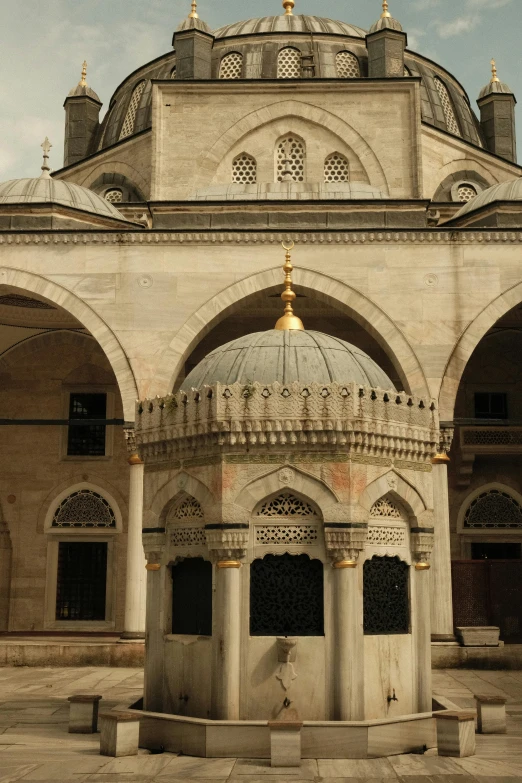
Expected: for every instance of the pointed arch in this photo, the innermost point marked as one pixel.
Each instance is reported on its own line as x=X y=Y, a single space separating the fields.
x=296 y=481
x=396 y=486
x=101 y=332
x=166 y=496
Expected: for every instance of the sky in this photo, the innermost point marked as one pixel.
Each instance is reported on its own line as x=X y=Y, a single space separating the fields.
x=44 y=42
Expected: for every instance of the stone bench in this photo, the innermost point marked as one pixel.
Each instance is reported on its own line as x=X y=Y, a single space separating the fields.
x=119 y=734
x=83 y=713
x=456 y=732
x=285 y=743
x=491 y=714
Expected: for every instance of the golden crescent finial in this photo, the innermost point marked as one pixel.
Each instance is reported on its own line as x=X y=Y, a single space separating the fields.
x=288 y=320
x=494 y=76
x=193 y=12
x=385 y=12
x=288 y=5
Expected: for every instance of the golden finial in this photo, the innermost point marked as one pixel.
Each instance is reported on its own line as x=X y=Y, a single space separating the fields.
x=288 y=6
x=193 y=13
x=385 y=13
x=83 y=81
x=46 y=146
x=494 y=77
x=288 y=320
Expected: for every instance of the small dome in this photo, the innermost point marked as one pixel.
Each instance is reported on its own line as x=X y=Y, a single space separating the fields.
x=386 y=23
x=495 y=87
x=47 y=190
x=83 y=90
x=505 y=191
x=194 y=23
x=287 y=356
x=297 y=23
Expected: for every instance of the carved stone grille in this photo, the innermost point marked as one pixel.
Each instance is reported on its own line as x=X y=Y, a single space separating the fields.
x=84 y=508
x=244 y=169
x=115 y=196
x=493 y=509
x=231 y=66
x=291 y=154
x=447 y=106
x=286 y=505
x=128 y=124
x=286 y=534
x=286 y=596
x=384 y=535
x=385 y=508
x=492 y=437
x=336 y=168
x=17 y=300
x=466 y=193
x=188 y=508
x=347 y=66
x=289 y=63
x=386 y=596
x=188 y=536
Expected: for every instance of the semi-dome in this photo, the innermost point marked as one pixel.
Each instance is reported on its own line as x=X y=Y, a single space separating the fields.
x=42 y=190
x=285 y=356
x=505 y=191
x=298 y=23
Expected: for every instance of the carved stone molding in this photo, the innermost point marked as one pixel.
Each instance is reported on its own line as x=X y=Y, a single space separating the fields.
x=227 y=543
x=422 y=541
x=345 y=543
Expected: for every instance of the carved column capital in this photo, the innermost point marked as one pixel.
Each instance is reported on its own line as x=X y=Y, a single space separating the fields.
x=345 y=540
x=154 y=545
x=227 y=542
x=422 y=541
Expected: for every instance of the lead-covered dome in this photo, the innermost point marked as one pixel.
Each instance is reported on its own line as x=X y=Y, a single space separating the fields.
x=505 y=191
x=286 y=356
x=45 y=190
x=284 y=23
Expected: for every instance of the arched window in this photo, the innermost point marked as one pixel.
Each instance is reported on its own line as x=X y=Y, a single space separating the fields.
x=173 y=73
x=336 y=168
x=466 y=191
x=244 y=169
x=130 y=118
x=231 y=66
x=286 y=596
x=447 y=106
x=187 y=508
x=185 y=523
x=493 y=510
x=347 y=66
x=289 y=63
x=290 y=160
x=84 y=508
x=386 y=604
x=114 y=195
x=192 y=597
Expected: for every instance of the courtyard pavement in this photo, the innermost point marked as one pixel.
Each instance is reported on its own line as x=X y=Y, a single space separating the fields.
x=35 y=745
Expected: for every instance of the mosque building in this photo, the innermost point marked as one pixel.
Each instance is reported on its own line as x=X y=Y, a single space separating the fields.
x=265 y=482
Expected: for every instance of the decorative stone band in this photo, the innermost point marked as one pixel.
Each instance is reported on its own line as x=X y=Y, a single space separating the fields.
x=344 y=541
x=359 y=419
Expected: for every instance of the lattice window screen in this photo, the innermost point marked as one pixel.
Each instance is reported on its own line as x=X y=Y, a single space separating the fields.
x=281 y=534
x=188 y=536
x=336 y=168
x=289 y=63
x=84 y=508
x=286 y=505
x=493 y=509
x=466 y=193
x=244 y=169
x=447 y=106
x=292 y=150
x=385 y=508
x=114 y=195
x=231 y=66
x=130 y=117
x=386 y=604
x=188 y=508
x=347 y=66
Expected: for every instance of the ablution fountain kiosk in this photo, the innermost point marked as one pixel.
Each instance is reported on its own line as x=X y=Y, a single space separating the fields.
x=288 y=528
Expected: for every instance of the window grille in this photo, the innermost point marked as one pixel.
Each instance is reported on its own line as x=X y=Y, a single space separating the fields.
x=466 y=193
x=290 y=160
x=289 y=63
x=286 y=596
x=493 y=510
x=385 y=508
x=84 y=508
x=231 y=66
x=347 y=66
x=187 y=508
x=286 y=505
x=447 y=106
x=130 y=118
x=244 y=169
x=192 y=597
x=188 y=536
x=278 y=535
x=386 y=605
x=18 y=300
x=336 y=168
x=87 y=440
x=81 y=581
x=491 y=405
x=114 y=195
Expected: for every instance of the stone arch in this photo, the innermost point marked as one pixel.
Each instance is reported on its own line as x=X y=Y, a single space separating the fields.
x=467 y=343
x=84 y=481
x=130 y=174
x=348 y=299
x=454 y=170
x=156 y=514
x=101 y=332
x=208 y=164
x=271 y=484
x=470 y=497
x=394 y=485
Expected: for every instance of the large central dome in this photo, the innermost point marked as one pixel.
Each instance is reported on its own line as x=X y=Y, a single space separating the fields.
x=290 y=24
x=287 y=355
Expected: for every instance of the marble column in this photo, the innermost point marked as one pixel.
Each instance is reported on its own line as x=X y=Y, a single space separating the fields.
x=228 y=639
x=349 y=642
x=441 y=598
x=6 y=556
x=422 y=547
x=156 y=619
x=135 y=583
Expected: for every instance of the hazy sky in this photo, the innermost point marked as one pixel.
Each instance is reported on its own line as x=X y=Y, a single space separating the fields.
x=43 y=44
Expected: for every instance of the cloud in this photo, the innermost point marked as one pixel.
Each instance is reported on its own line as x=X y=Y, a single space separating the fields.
x=488 y=5
x=462 y=24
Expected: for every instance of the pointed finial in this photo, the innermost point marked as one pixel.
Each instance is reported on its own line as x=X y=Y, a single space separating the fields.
x=46 y=146
x=494 y=77
x=83 y=80
x=288 y=6
x=288 y=320
x=193 y=12
x=385 y=12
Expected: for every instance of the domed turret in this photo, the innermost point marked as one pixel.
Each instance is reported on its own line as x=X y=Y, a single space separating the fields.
x=193 y=22
x=495 y=86
x=386 y=22
x=497 y=117
x=82 y=88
